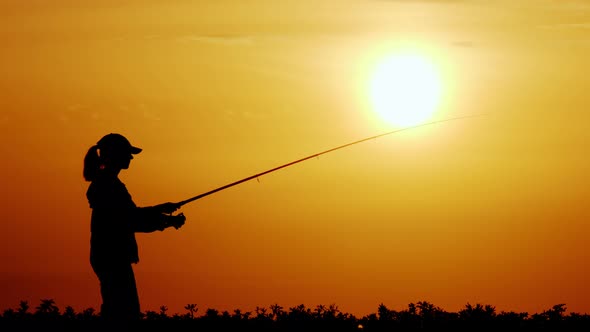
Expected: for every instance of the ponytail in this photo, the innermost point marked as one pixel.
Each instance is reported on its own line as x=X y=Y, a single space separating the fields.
x=91 y=164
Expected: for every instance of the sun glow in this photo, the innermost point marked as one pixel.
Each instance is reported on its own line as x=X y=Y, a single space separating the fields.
x=405 y=89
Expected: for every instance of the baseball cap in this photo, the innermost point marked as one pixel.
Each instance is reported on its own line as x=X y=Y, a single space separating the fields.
x=117 y=142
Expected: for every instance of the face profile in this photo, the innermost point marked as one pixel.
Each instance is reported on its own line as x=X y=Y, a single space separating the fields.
x=116 y=151
x=119 y=160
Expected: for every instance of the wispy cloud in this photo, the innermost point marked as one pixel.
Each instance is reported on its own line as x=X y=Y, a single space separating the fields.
x=569 y=26
x=76 y=107
x=463 y=43
x=95 y=116
x=572 y=5
x=80 y=112
x=140 y=110
x=218 y=39
x=77 y=112
x=72 y=112
x=148 y=113
x=428 y=1
x=242 y=115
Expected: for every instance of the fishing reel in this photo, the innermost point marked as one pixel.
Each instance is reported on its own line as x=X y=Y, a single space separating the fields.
x=176 y=221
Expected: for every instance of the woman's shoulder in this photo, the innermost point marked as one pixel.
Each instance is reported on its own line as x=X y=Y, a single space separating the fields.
x=106 y=189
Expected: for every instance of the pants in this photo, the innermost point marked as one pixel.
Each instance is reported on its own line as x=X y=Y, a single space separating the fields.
x=118 y=290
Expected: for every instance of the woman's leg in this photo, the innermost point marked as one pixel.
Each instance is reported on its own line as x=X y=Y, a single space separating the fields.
x=119 y=292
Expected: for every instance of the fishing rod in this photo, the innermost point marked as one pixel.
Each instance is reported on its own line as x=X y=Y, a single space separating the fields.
x=255 y=176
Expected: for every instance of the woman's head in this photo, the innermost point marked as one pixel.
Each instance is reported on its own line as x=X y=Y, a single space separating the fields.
x=113 y=152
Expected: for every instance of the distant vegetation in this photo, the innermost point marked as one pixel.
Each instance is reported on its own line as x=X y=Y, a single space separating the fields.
x=423 y=315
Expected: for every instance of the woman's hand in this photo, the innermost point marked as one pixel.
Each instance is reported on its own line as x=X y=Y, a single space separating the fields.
x=176 y=221
x=167 y=208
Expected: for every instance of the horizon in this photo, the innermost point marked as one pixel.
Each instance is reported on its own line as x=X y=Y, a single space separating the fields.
x=45 y=306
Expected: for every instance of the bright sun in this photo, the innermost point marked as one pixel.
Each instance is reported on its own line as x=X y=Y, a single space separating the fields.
x=405 y=89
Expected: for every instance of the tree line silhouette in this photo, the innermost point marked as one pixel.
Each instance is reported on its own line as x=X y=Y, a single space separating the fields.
x=417 y=316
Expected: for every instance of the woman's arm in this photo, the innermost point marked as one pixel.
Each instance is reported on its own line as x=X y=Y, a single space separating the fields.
x=150 y=219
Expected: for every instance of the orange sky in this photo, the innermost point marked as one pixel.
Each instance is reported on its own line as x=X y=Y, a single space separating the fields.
x=491 y=210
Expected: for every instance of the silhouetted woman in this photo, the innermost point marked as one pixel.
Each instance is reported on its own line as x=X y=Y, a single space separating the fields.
x=114 y=222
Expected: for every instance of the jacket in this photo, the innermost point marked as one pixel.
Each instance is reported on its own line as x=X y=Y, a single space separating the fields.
x=115 y=220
